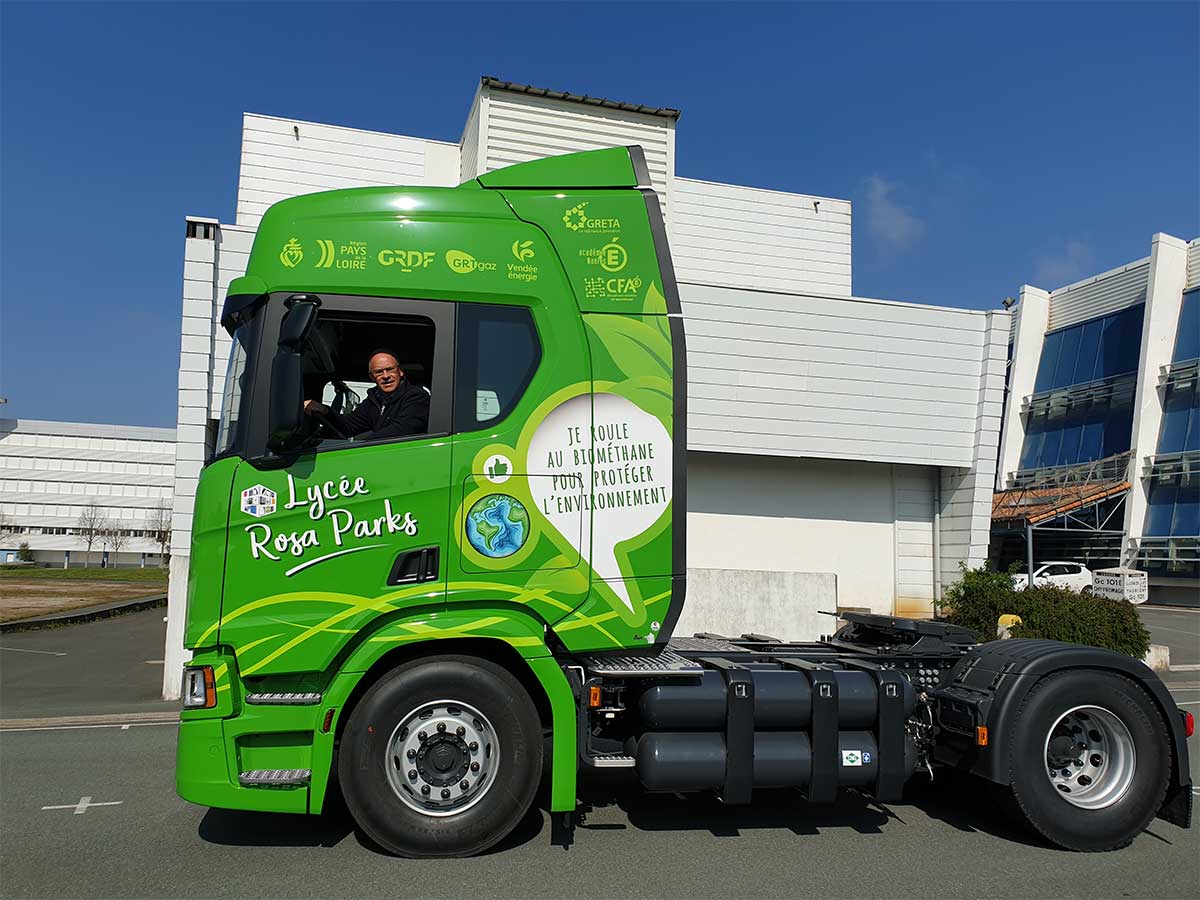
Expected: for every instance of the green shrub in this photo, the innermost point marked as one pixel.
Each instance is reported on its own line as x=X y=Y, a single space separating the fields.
x=24 y=554
x=981 y=596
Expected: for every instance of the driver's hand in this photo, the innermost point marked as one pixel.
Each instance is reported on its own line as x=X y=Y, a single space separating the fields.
x=313 y=407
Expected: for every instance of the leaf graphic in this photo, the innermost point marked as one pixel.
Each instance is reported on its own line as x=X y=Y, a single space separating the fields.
x=635 y=347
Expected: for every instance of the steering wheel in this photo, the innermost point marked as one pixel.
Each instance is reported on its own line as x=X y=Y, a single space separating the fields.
x=326 y=420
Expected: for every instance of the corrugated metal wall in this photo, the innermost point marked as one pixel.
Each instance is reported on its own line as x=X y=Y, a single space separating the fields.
x=748 y=237
x=521 y=127
x=967 y=493
x=1099 y=295
x=468 y=163
x=1193 y=264
x=277 y=164
x=787 y=374
x=912 y=488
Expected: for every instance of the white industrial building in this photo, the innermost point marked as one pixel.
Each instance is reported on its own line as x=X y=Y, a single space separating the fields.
x=55 y=476
x=1100 y=459
x=844 y=446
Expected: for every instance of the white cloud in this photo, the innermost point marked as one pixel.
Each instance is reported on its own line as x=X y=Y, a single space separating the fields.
x=886 y=219
x=1065 y=264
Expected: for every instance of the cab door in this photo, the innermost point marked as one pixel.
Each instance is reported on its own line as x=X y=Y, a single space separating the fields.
x=349 y=530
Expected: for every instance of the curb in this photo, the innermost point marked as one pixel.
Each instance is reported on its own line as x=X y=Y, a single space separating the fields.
x=91 y=613
x=154 y=717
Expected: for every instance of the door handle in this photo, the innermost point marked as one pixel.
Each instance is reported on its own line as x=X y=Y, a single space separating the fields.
x=415 y=566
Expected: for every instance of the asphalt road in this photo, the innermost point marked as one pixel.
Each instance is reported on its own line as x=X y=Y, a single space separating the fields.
x=135 y=838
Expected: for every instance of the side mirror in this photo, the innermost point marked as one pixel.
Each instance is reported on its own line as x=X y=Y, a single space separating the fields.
x=286 y=412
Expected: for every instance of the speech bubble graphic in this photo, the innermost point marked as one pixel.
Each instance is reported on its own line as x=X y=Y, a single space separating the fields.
x=623 y=461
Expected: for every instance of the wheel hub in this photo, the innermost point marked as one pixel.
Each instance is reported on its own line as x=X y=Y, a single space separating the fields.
x=442 y=757
x=1090 y=757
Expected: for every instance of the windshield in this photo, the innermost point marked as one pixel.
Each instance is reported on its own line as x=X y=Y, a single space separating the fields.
x=236 y=384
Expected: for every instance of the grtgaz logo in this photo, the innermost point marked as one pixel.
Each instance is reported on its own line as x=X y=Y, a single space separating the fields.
x=462 y=262
x=292 y=253
x=258 y=501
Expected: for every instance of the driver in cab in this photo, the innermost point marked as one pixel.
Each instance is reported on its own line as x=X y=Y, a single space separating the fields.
x=395 y=407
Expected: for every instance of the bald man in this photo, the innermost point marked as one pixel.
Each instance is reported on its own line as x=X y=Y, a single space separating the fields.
x=395 y=407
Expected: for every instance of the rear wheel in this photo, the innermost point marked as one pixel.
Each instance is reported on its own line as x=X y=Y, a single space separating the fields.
x=441 y=757
x=1089 y=760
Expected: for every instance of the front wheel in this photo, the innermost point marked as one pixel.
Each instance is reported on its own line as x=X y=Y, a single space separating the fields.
x=441 y=757
x=1089 y=761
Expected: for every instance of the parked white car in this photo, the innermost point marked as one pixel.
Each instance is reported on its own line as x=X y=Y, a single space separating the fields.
x=1064 y=574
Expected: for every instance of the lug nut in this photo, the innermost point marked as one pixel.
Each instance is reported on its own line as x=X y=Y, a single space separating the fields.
x=425 y=789
x=460 y=731
x=1095 y=759
x=422 y=736
x=441 y=727
x=412 y=754
x=474 y=746
x=465 y=784
x=445 y=793
x=474 y=767
x=412 y=774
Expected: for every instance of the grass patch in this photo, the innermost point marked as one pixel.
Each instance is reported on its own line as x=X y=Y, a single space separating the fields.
x=151 y=576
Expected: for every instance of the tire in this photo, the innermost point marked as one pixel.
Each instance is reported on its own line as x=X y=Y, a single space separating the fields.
x=1109 y=800
x=492 y=742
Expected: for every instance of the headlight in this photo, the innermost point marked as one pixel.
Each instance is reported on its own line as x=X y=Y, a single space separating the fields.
x=199 y=688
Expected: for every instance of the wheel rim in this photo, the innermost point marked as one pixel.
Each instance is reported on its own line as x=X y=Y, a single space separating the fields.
x=442 y=758
x=1090 y=757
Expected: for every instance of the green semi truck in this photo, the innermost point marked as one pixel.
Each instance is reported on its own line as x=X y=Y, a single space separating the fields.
x=429 y=619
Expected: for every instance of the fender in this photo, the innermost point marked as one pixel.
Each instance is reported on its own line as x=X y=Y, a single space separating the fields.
x=511 y=627
x=989 y=684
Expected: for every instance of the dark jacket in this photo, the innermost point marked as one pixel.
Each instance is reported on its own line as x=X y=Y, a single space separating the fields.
x=403 y=412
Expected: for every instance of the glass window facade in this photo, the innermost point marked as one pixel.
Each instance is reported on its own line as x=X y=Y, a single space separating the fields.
x=1174 y=507
x=1079 y=433
x=1090 y=351
x=1187 y=336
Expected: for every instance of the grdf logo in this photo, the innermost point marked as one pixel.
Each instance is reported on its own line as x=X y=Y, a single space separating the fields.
x=575 y=218
x=522 y=250
x=258 y=501
x=292 y=253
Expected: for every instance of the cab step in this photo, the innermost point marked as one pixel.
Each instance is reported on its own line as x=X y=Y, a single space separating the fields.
x=270 y=778
x=613 y=761
x=284 y=698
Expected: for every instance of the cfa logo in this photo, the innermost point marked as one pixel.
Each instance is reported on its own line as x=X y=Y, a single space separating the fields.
x=462 y=262
x=258 y=501
x=407 y=260
x=292 y=253
x=522 y=250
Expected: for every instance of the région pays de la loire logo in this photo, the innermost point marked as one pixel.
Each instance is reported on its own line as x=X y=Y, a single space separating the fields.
x=292 y=253
x=258 y=501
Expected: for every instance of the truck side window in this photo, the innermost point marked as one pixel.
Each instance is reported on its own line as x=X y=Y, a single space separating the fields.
x=497 y=354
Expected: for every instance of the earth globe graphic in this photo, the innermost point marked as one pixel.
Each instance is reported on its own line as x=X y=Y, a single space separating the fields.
x=497 y=525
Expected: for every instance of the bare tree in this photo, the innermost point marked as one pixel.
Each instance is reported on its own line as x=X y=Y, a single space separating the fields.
x=116 y=538
x=158 y=523
x=7 y=526
x=90 y=526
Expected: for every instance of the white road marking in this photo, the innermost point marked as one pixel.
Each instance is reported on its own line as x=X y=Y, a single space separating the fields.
x=124 y=727
x=42 y=652
x=84 y=804
x=154 y=662
x=1186 y=667
x=1178 y=630
x=1188 y=703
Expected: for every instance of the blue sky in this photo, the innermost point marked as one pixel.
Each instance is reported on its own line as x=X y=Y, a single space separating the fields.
x=983 y=145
